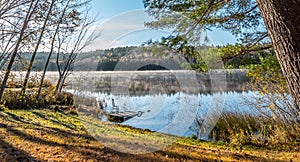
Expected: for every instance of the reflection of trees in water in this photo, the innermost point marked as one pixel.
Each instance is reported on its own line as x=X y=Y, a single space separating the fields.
x=143 y=83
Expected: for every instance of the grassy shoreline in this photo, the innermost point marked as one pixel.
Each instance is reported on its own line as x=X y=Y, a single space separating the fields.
x=45 y=135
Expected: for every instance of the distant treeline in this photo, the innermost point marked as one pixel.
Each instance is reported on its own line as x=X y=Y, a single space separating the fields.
x=107 y=60
x=136 y=65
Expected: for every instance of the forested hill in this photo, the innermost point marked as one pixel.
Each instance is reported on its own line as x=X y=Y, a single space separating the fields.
x=99 y=60
x=127 y=58
x=41 y=58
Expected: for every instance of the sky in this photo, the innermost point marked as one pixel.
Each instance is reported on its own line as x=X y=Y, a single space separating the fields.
x=109 y=8
x=121 y=23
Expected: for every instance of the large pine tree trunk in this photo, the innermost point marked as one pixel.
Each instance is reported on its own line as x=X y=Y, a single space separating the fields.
x=282 y=19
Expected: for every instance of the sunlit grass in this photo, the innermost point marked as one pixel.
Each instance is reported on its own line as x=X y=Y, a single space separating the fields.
x=55 y=136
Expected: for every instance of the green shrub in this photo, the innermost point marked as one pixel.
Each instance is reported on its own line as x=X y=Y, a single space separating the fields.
x=13 y=100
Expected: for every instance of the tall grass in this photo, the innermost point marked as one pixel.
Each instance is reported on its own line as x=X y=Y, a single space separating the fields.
x=248 y=129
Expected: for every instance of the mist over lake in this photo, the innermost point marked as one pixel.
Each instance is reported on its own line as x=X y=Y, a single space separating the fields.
x=162 y=95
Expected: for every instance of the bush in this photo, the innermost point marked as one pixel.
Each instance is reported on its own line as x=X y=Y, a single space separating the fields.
x=240 y=138
x=13 y=100
x=62 y=98
x=47 y=83
x=280 y=122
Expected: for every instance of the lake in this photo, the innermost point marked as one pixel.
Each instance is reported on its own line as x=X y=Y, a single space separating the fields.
x=171 y=101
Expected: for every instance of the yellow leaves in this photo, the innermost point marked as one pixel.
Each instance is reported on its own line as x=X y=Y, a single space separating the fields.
x=267 y=77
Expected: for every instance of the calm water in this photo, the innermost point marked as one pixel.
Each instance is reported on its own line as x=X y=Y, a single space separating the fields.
x=171 y=101
x=164 y=112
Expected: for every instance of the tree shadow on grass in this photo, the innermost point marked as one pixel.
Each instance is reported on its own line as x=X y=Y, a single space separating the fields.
x=54 y=121
x=11 y=153
x=16 y=118
x=97 y=152
x=86 y=151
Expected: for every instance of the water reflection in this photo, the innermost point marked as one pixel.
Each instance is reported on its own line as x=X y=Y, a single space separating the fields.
x=155 y=82
x=163 y=111
x=170 y=101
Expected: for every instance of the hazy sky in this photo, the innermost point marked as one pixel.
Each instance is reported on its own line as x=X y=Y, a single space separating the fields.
x=122 y=23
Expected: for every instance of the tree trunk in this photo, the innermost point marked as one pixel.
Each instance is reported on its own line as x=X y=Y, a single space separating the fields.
x=23 y=91
x=282 y=20
x=52 y=48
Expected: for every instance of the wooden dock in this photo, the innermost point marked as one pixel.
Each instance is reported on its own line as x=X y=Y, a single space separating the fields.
x=120 y=117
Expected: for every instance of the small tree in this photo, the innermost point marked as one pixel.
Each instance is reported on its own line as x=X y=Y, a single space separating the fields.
x=70 y=43
x=28 y=15
x=58 y=24
x=37 y=45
